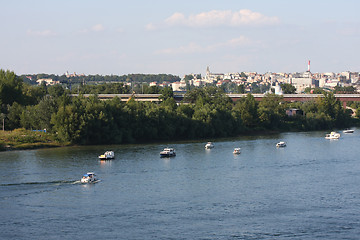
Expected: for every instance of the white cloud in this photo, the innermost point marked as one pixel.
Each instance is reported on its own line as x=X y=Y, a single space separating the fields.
x=176 y=19
x=235 y=42
x=97 y=27
x=219 y=18
x=150 y=27
x=44 y=33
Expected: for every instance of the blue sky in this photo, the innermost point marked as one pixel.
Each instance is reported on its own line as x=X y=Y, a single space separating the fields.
x=179 y=37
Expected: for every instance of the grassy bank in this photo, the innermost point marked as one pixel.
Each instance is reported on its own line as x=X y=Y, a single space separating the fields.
x=27 y=139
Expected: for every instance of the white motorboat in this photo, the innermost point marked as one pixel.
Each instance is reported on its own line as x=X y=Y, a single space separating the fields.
x=209 y=145
x=89 y=177
x=332 y=135
x=107 y=155
x=348 y=131
x=168 y=152
x=281 y=144
x=237 y=151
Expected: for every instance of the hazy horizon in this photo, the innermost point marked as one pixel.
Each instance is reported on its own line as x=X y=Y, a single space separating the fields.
x=178 y=37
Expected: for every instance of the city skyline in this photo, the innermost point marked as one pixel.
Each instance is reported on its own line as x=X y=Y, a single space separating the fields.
x=178 y=37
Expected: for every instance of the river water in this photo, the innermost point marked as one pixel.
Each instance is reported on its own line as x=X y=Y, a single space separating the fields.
x=307 y=190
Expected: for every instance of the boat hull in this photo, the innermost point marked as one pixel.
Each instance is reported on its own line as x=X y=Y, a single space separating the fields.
x=281 y=144
x=331 y=138
x=106 y=158
x=167 y=155
x=168 y=152
x=92 y=181
x=108 y=155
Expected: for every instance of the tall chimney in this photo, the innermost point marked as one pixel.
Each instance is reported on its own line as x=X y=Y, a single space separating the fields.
x=309 y=66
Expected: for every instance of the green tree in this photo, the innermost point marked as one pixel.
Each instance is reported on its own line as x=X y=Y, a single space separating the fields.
x=347 y=90
x=255 y=88
x=69 y=122
x=271 y=111
x=248 y=108
x=33 y=94
x=329 y=104
x=56 y=90
x=241 y=88
x=357 y=115
x=13 y=117
x=287 y=88
x=185 y=110
x=166 y=93
x=10 y=88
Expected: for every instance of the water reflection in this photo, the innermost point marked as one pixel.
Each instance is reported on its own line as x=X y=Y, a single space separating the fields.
x=309 y=186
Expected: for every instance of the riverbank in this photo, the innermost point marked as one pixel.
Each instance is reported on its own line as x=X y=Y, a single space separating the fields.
x=20 y=139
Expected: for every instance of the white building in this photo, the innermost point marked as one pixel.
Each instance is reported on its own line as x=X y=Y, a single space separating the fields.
x=48 y=81
x=354 y=77
x=175 y=86
x=197 y=83
x=303 y=80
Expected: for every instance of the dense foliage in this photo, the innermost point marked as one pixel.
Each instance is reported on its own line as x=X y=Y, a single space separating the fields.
x=205 y=113
x=287 y=88
x=349 y=89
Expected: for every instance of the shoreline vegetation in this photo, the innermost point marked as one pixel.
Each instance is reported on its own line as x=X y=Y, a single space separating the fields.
x=22 y=139
x=205 y=113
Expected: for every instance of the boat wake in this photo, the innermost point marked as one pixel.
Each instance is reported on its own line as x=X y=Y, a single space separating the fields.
x=15 y=190
x=60 y=182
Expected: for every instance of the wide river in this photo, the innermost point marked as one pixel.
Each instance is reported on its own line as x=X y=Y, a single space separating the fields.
x=307 y=190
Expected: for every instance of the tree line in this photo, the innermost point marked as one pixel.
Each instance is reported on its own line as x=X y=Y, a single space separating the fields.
x=147 y=78
x=205 y=113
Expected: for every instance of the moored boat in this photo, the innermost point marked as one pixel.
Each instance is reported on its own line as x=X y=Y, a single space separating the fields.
x=209 y=145
x=168 y=152
x=237 y=151
x=281 y=144
x=107 y=155
x=332 y=135
x=89 y=177
x=348 y=131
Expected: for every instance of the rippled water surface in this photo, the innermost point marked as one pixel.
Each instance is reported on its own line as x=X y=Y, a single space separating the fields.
x=308 y=190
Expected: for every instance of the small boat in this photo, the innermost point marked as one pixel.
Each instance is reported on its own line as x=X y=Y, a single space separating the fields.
x=348 y=131
x=281 y=144
x=107 y=155
x=332 y=135
x=89 y=177
x=209 y=145
x=237 y=151
x=168 y=152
